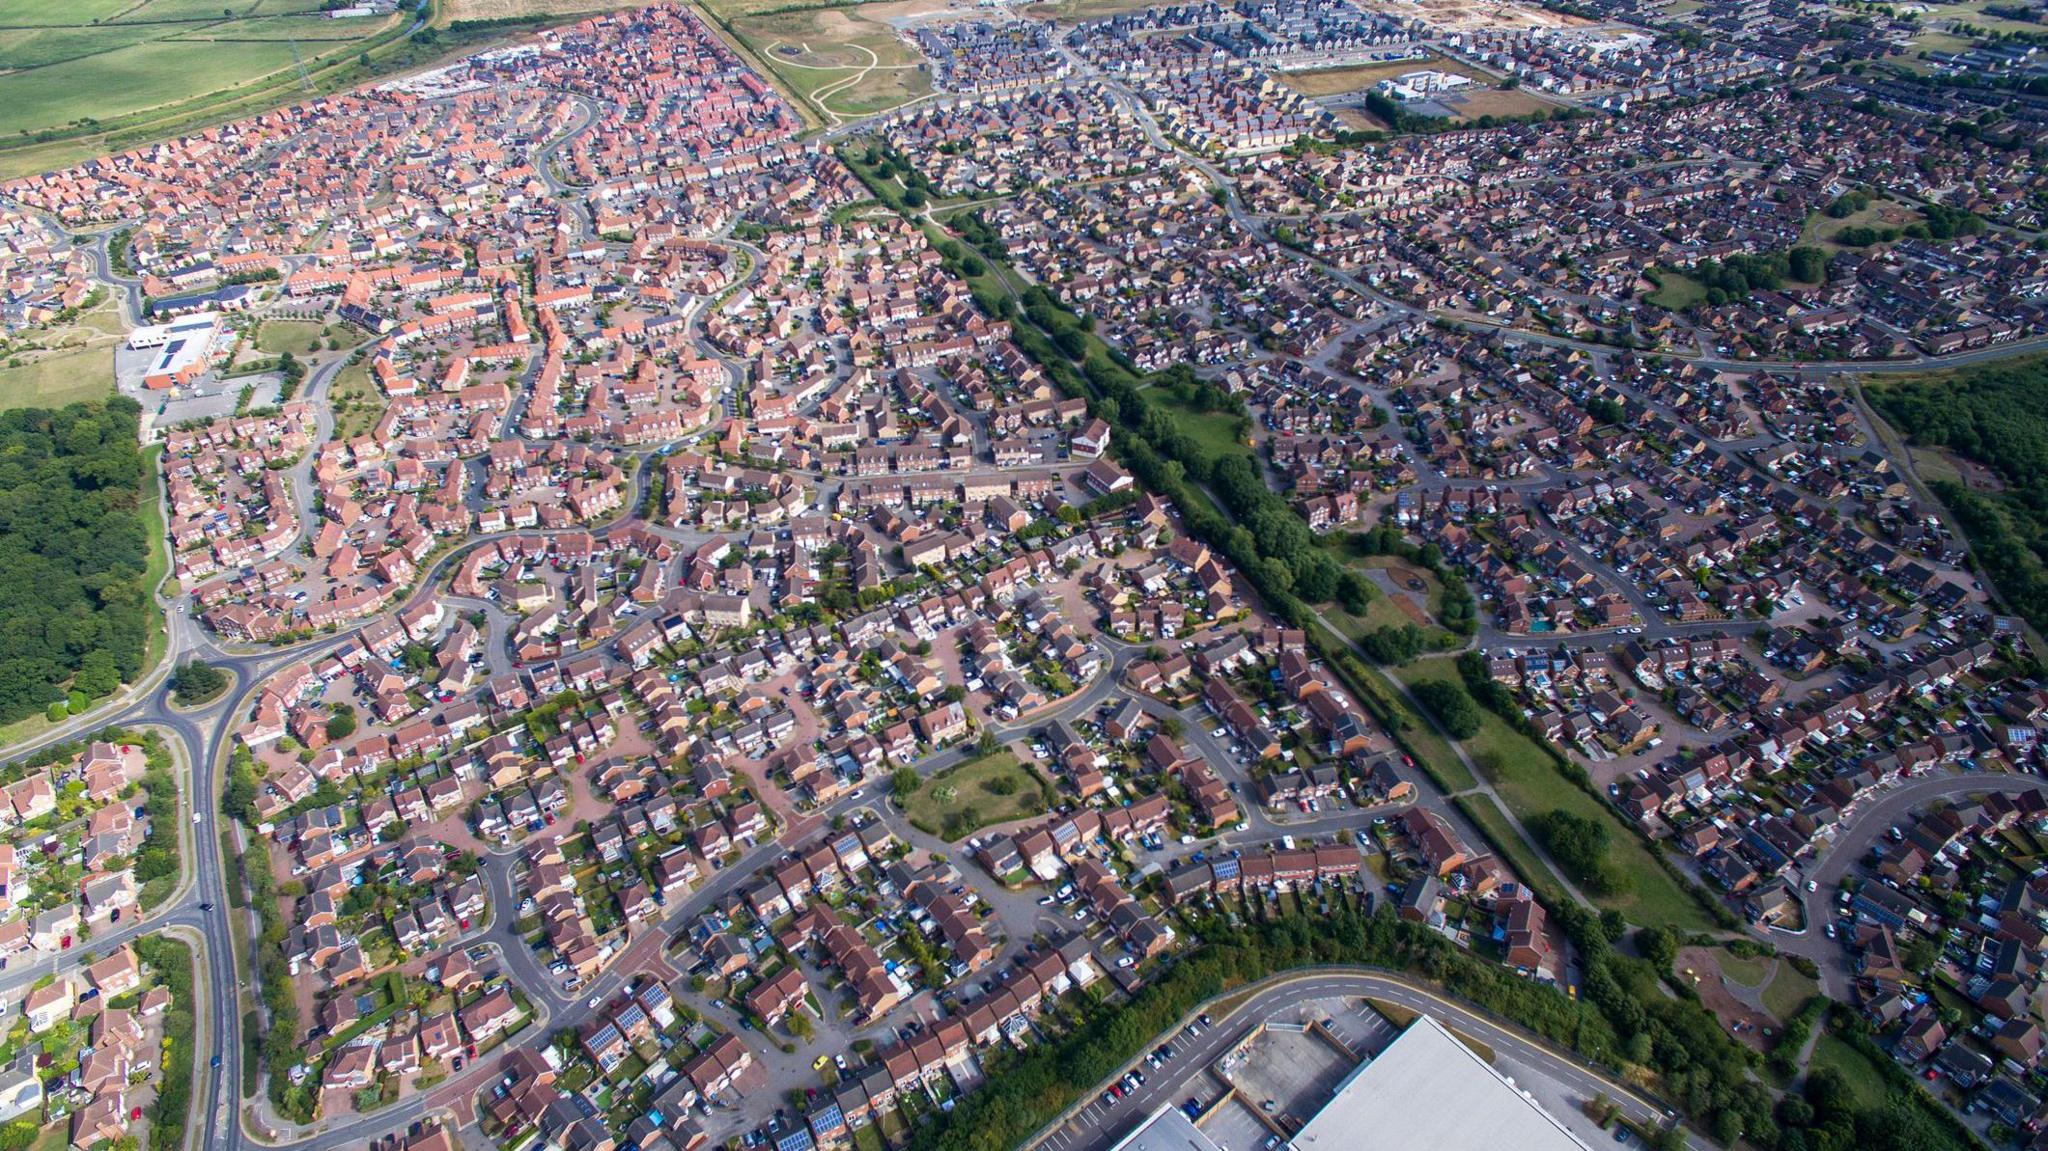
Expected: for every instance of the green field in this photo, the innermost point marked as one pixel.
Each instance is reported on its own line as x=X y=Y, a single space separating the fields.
x=58 y=379
x=109 y=60
x=1523 y=775
x=357 y=403
x=1865 y=1079
x=1788 y=991
x=958 y=801
x=294 y=336
x=1215 y=432
x=1676 y=292
x=836 y=62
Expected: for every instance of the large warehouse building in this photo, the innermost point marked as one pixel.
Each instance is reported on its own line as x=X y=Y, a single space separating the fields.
x=184 y=349
x=1426 y=1090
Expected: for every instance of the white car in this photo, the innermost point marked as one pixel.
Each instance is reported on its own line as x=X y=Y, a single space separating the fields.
x=594 y=1001
x=198 y=817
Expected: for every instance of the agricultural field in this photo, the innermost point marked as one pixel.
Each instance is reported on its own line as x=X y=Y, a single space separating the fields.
x=102 y=59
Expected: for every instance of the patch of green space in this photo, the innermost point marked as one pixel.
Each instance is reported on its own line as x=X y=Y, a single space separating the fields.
x=1523 y=775
x=295 y=336
x=1676 y=291
x=1864 y=1078
x=1788 y=991
x=1747 y=970
x=55 y=380
x=1218 y=433
x=955 y=803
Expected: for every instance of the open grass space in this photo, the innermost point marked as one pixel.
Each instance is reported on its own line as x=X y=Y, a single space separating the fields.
x=358 y=405
x=58 y=378
x=837 y=62
x=956 y=802
x=1747 y=970
x=1677 y=292
x=1523 y=775
x=1880 y=214
x=1339 y=81
x=1216 y=432
x=76 y=61
x=1498 y=103
x=294 y=336
x=1865 y=1079
x=1788 y=991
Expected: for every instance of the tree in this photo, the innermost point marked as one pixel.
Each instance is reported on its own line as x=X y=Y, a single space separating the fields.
x=799 y=1025
x=197 y=682
x=342 y=723
x=905 y=781
x=1658 y=945
x=1579 y=844
x=1452 y=707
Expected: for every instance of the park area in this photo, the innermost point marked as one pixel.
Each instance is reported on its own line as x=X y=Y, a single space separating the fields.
x=955 y=803
x=1522 y=774
x=1342 y=81
x=836 y=62
x=1752 y=994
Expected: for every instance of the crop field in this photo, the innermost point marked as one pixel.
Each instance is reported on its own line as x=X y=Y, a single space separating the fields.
x=104 y=59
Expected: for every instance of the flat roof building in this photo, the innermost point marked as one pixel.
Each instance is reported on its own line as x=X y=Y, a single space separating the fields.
x=1168 y=1129
x=1428 y=1089
x=184 y=348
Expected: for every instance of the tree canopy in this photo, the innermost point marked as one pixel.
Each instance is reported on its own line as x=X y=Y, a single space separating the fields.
x=74 y=611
